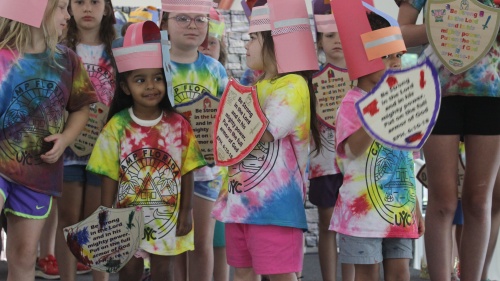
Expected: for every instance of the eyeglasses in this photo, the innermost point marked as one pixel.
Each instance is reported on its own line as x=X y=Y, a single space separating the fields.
x=185 y=21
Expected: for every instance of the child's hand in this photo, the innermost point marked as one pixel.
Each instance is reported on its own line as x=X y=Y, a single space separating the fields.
x=421 y=226
x=59 y=145
x=184 y=223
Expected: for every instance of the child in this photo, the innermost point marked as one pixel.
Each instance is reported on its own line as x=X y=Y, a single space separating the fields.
x=263 y=210
x=90 y=34
x=38 y=81
x=473 y=98
x=367 y=238
x=195 y=74
x=325 y=179
x=146 y=155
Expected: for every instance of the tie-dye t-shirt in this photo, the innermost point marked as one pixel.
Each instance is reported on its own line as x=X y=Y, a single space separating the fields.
x=378 y=196
x=34 y=93
x=148 y=160
x=483 y=79
x=268 y=186
x=205 y=75
x=324 y=163
x=99 y=66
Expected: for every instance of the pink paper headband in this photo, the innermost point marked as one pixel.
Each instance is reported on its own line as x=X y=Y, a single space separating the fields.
x=187 y=6
x=325 y=23
x=29 y=12
x=259 y=20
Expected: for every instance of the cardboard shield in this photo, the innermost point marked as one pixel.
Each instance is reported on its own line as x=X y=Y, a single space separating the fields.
x=330 y=86
x=239 y=125
x=461 y=32
x=201 y=114
x=84 y=143
x=107 y=239
x=401 y=110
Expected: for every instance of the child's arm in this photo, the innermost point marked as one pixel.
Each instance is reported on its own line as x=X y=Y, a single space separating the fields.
x=184 y=221
x=421 y=222
x=267 y=137
x=413 y=34
x=109 y=189
x=74 y=125
x=356 y=144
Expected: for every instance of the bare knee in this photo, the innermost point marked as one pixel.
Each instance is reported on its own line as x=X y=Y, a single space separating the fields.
x=399 y=275
x=476 y=206
x=19 y=255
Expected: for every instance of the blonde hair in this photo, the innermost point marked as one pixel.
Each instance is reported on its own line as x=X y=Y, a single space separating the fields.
x=16 y=36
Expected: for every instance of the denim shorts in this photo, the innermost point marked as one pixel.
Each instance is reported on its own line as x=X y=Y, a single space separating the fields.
x=24 y=202
x=78 y=173
x=362 y=250
x=208 y=189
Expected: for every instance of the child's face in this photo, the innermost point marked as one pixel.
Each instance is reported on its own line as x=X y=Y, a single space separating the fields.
x=187 y=31
x=330 y=43
x=213 y=48
x=146 y=86
x=88 y=13
x=255 y=60
x=392 y=61
x=61 y=16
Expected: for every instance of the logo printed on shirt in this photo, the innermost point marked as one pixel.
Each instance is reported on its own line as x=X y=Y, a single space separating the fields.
x=327 y=138
x=103 y=81
x=187 y=92
x=35 y=112
x=150 y=178
x=391 y=184
x=254 y=168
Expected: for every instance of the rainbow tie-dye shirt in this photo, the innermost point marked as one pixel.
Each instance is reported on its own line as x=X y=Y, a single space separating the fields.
x=190 y=80
x=148 y=162
x=34 y=93
x=268 y=186
x=378 y=197
x=99 y=66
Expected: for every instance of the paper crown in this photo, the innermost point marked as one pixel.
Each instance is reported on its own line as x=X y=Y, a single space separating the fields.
x=363 y=48
x=29 y=12
x=325 y=23
x=259 y=20
x=187 y=6
x=293 y=39
x=145 y=46
x=216 y=25
x=139 y=15
x=248 y=5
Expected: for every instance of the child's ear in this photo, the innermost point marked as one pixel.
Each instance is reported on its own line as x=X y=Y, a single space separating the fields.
x=125 y=88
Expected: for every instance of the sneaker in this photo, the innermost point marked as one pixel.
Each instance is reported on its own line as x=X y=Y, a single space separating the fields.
x=82 y=269
x=47 y=268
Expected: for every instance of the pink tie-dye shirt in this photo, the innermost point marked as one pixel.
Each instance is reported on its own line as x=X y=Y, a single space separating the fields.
x=378 y=197
x=268 y=186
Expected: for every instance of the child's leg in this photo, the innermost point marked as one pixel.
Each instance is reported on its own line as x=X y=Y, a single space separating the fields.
x=221 y=268
x=327 y=245
x=366 y=272
x=201 y=260
x=132 y=271
x=483 y=161
x=162 y=268
x=245 y=274
x=283 y=277
x=180 y=267
x=495 y=225
x=347 y=272
x=396 y=269
x=23 y=236
x=442 y=161
x=69 y=212
x=48 y=236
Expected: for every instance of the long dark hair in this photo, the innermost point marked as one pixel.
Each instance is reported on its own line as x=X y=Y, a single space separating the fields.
x=270 y=62
x=107 y=32
x=122 y=101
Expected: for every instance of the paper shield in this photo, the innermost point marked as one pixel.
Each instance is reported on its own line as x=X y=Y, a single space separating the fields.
x=346 y=13
x=239 y=125
x=461 y=32
x=29 y=12
x=292 y=35
x=423 y=178
x=201 y=114
x=401 y=110
x=330 y=86
x=107 y=239
x=84 y=143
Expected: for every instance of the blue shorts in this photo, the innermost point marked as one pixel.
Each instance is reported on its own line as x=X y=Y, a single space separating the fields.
x=459 y=214
x=361 y=250
x=208 y=189
x=78 y=173
x=24 y=202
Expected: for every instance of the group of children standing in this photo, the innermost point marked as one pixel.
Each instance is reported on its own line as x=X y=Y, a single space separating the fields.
x=146 y=153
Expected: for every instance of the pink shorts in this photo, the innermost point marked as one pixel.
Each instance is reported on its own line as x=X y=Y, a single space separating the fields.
x=268 y=249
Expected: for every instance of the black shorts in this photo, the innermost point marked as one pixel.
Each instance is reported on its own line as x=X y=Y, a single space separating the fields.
x=465 y=115
x=323 y=191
